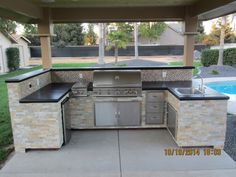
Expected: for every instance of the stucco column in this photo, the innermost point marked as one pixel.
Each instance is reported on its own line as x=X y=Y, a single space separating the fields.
x=45 y=32
x=189 y=39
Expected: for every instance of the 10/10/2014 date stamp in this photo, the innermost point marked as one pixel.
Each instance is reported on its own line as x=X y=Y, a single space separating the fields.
x=192 y=152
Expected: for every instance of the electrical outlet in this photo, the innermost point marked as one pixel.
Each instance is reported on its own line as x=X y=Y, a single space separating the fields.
x=80 y=75
x=30 y=85
x=164 y=73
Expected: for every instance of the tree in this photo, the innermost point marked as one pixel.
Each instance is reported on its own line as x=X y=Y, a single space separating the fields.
x=101 y=43
x=90 y=36
x=136 y=40
x=214 y=37
x=68 y=34
x=152 y=30
x=8 y=25
x=30 y=30
x=119 y=37
x=222 y=38
x=200 y=29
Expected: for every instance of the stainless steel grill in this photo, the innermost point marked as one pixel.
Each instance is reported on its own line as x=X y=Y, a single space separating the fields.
x=117 y=83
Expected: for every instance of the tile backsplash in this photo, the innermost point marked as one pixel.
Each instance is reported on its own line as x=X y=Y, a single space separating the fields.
x=147 y=75
x=33 y=84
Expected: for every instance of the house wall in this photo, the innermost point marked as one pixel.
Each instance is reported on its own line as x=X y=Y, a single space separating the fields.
x=23 y=49
x=4 y=44
x=25 y=52
x=170 y=37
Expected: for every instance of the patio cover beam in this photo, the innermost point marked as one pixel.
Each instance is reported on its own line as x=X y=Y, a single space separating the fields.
x=20 y=10
x=112 y=14
x=205 y=6
x=219 y=12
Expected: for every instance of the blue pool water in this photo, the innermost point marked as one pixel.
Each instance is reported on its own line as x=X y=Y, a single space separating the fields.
x=228 y=87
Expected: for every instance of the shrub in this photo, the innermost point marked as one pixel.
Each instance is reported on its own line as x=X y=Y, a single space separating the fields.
x=230 y=56
x=214 y=72
x=210 y=57
x=13 y=58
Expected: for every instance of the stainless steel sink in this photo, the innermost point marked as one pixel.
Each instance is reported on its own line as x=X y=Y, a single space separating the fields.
x=188 y=91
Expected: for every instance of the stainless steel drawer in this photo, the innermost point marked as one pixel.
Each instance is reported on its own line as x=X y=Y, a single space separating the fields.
x=154 y=118
x=155 y=107
x=155 y=96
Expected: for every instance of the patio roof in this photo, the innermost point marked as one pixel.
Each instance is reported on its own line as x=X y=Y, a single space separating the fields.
x=31 y=11
x=47 y=12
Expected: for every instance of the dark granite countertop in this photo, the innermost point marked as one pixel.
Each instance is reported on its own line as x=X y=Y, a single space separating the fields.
x=26 y=76
x=53 y=92
x=210 y=94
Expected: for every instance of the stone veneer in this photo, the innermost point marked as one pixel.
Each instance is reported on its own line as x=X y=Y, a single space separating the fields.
x=200 y=122
x=82 y=112
x=147 y=75
x=34 y=125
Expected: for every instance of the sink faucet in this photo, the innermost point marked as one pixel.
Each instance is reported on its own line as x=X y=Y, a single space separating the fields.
x=201 y=86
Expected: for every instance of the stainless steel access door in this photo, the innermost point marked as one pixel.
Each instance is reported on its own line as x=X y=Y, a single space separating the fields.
x=106 y=113
x=66 y=120
x=129 y=113
x=171 y=119
x=118 y=113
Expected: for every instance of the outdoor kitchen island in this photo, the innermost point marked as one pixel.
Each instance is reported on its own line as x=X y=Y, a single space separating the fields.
x=42 y=101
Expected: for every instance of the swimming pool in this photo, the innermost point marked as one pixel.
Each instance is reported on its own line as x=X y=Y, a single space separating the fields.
x=228 y=87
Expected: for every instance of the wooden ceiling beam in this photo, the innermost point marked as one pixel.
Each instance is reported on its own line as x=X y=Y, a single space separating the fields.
x=21 y=7
x=219 y=12
x=204 y=6
x=66 y=15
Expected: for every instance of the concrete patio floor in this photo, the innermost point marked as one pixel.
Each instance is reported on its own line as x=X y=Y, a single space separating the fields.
x=117 y=153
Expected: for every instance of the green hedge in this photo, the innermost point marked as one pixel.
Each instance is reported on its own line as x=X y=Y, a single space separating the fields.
x=210 y=57
x=13 y=58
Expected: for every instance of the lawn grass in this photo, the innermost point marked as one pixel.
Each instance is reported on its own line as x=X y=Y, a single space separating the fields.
x=196 y=64
x=73 y=65
x=5 y=124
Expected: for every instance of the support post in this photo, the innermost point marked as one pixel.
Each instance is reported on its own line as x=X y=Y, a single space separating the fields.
x=45 y=32
x=189 y=40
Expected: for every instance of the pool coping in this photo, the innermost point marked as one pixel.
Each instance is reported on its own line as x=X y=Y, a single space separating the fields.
x=218 y=79
x=232 y=100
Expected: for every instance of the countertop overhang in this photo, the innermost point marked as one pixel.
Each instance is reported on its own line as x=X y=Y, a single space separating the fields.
x=54 y=92
x=50 y=93
x=210 y=94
